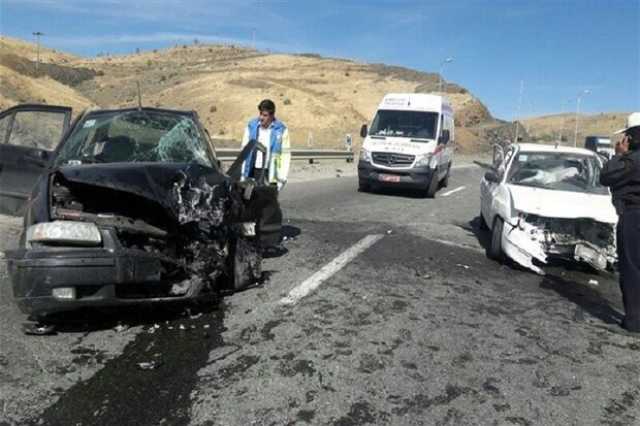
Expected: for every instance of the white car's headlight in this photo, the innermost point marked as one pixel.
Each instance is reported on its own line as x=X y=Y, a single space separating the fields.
x=64 y=232
x=424 y=160
x=365 y=155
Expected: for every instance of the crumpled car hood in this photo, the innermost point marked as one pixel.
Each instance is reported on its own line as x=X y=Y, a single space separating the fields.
x=563 y=204
x=153 y=181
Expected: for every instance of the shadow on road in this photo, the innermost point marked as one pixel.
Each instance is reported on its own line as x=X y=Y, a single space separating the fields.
x=589 y=299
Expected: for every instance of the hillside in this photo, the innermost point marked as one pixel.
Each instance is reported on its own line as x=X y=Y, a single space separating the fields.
x=548 y=128
x=321 y=99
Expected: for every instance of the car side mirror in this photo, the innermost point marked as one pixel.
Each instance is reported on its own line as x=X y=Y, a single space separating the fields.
x=491 y=176
x=444 y=137
x=363 y=131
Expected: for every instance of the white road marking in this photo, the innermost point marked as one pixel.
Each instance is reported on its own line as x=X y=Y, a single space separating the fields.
x=453 y=191
x=329 y=269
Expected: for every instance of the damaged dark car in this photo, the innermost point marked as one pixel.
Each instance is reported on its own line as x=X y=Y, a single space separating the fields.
x=133 y=207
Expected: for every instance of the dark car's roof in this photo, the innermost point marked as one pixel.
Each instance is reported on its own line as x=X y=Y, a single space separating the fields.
x=133 y=109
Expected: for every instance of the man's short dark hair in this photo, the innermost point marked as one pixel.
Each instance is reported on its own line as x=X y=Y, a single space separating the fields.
x=267 y=105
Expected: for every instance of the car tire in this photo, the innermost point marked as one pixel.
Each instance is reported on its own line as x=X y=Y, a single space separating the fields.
x=445 y=181
x=432 y=188
x=494 y=251
x=247 y=264
x=483 y=223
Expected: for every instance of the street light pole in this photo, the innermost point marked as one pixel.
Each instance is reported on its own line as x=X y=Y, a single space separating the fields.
x=442 y=64
x=578 y=100
x=37 y=34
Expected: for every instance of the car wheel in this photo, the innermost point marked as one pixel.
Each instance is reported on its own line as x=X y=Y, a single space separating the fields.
x=433 y=186
x=494 y=251
x=247 y=264
x=445 y=181
x=483 y=223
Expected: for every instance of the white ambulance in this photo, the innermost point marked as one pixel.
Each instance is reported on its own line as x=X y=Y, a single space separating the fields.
x=410 y=144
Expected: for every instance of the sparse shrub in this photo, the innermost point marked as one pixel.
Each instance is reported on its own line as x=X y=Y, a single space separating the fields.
x=287 y=101
x=155 y=50
x=213 y=108
x=222 y=132
x=163 y=78
x=100 y=73
x=347 y=74
x=149 y=62
x=210 y=50
x=184 y=46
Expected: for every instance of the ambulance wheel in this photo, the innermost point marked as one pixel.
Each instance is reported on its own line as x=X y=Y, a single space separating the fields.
x=363 y=186
x=445 y=181
x=433 y=186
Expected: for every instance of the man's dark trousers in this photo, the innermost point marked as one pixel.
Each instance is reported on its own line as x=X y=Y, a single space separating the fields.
x=628 y=236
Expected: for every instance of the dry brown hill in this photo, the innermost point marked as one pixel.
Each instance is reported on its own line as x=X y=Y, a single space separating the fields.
x=321 y=99
x=20 y=82
x=550 y=128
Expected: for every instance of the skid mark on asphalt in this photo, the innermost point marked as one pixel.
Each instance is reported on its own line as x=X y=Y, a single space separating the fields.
x=453 y=191
x=314 y=281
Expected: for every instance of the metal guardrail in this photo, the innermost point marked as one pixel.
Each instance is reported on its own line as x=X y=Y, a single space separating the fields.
x=230 y=154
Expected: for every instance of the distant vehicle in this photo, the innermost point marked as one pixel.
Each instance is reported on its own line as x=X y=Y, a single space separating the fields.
x=543 y=202
x=410 y=144
x=600 y=144
x=131 y=207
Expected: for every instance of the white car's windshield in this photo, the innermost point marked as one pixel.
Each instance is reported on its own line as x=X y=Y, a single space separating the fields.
x=411 y=124
x=134 y=136
x=558 y=171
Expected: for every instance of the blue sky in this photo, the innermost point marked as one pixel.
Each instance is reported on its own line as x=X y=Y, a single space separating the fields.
x=558 y=48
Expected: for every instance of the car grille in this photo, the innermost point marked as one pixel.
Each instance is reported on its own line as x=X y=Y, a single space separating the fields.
x=392 y=159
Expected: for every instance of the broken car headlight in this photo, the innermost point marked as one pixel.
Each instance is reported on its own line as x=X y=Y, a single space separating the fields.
x=365 y=155
x=64 y=232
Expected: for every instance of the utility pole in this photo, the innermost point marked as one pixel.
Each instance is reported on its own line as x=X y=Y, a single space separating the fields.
x=515 y=122
x=442 y=64
x=37 y=34
x=564 y=118
x=578 y=100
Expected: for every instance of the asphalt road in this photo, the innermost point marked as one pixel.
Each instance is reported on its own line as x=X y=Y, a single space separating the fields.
x=399 y=318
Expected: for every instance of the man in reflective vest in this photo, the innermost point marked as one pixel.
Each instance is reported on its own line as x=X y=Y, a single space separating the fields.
x=273 y=135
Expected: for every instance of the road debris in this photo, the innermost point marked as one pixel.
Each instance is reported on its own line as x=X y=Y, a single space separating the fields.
x=37 y=329
x=148 y=365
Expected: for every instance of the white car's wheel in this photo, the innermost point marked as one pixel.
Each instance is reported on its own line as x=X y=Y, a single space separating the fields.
x=494 y=251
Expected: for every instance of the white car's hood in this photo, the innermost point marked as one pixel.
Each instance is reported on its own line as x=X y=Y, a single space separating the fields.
x=563 y=204
x=400 y=145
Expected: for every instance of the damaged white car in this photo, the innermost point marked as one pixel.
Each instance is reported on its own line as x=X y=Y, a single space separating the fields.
x=544 y=202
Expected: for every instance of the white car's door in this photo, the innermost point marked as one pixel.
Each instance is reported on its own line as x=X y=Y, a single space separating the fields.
x=494 y=195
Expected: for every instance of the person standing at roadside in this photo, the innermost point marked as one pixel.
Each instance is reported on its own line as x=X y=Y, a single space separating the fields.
x=273 y=136
x=622 y=175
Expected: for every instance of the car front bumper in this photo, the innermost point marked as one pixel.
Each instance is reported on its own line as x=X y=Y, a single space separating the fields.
x=414 y=178
x=100 y=278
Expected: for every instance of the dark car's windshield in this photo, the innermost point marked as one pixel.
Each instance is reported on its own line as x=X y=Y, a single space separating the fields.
x=411 y=124
x=134 y=136
x=560 y=171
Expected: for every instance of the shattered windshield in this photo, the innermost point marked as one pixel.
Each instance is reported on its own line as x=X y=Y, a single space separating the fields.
x=134 y=136
x=410 y=124
x=559 y=171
